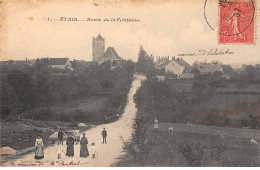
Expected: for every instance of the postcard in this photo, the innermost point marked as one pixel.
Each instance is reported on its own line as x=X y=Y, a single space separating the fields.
x=133 y=83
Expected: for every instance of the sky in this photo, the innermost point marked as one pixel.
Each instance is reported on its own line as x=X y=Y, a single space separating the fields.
x=166 y=28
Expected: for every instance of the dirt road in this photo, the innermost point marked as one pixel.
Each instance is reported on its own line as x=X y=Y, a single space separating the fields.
x=107 y=153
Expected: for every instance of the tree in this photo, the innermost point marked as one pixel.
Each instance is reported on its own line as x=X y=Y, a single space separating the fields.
x=196 y=72
x=8 y=99
x=145 y=63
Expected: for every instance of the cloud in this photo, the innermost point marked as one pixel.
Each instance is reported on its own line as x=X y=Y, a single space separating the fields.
x=128 y=45
x=196 y=34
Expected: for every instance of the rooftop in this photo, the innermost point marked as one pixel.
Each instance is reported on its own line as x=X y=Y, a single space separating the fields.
x=58 y=61
x=209 y=68
x=111 y=53
x=99 y=37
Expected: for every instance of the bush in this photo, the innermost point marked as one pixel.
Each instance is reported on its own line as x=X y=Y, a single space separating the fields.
x=140 y=147
x=240 y=120
x=193 y=153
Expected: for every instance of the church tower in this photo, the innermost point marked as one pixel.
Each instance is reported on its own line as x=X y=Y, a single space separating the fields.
x=98 y=47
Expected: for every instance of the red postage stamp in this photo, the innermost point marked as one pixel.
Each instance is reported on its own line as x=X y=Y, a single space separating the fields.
x=236 y=22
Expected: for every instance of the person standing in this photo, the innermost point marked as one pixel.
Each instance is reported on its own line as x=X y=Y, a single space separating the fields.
x=83 y=147
x=77 y=136
x=93 y=150
x=104 y=134
x=156 y=126
x=70 y=146
x=39 y=154
x=59 y=150
x=60 y=135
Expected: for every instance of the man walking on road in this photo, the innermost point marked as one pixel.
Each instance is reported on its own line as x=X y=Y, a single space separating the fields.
x=60 y=136
x=104 y=134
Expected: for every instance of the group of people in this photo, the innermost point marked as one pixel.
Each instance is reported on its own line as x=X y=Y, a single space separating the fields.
x=70 y=147
x=39 y=153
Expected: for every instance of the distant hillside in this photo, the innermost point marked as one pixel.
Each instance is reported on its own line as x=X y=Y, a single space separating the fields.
x=239 y=65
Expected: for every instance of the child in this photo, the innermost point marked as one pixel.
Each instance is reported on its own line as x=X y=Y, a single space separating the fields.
x=156 y=124
x=59 y=149
x=93 y=150
x=77 y=136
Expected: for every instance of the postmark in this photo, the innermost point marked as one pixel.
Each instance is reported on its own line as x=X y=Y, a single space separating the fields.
x=236 y=21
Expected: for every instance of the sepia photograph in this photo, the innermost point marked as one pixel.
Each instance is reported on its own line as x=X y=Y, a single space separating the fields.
x=129 y=83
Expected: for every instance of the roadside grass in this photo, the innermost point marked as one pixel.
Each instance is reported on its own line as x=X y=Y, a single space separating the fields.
x=189 y=148
x=21 y=135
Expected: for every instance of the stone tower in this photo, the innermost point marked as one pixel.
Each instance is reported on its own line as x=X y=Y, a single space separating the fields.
x=98 y=47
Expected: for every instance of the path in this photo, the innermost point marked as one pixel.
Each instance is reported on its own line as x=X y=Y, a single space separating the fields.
x=107 y=153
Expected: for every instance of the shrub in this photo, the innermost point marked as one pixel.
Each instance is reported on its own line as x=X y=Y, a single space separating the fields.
x=193 y=153
x=140 y=147
x=239 y=120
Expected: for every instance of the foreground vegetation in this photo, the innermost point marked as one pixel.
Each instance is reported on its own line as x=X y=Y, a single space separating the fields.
x=191 y=147
x=198 y=105
x=30 y=91
x=36 y=99
x=210 y=99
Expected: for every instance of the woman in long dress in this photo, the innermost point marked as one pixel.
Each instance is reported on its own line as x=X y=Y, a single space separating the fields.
x=156 y=124
x=70 y=146
x=83 y=146
x=39 y=154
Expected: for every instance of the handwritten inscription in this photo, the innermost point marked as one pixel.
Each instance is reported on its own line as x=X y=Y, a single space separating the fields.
x=211 y=52
x=205 y=62
x=52 y=163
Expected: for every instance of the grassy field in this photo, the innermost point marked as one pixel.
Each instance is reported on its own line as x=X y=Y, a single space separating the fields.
x=23 y=132
x=226 y=101
x=186 y=85
x=90 y=104
x=232 y=87
x=92 y=109
x=198 y=145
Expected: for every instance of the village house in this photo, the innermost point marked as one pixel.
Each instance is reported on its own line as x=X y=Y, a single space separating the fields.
x=79 y=64
x=161 y=62
x=179 y=67
x=25 y=62
x=60 y=63
x=209 y=69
